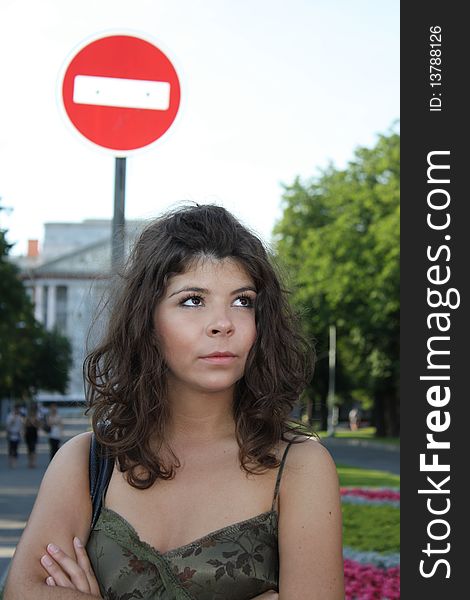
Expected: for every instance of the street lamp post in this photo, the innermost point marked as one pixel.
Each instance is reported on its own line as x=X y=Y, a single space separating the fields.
x=332 y=410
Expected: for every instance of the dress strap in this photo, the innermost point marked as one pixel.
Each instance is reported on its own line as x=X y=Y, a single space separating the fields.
x=279 y=473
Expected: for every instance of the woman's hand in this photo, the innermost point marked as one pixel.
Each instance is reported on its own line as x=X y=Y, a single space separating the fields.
x=75 y=573
x=270 y=595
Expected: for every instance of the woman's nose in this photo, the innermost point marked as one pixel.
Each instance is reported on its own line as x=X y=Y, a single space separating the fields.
x=220 y=324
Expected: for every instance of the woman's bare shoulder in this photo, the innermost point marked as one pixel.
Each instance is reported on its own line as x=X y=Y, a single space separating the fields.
x=67 y=475
x=307 y=457
x=72 y=455
x=310 y=524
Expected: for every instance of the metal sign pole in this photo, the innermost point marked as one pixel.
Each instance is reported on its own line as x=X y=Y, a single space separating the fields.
x=118 y=233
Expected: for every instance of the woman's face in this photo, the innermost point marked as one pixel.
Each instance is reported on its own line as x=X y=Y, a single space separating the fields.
x=207 y=309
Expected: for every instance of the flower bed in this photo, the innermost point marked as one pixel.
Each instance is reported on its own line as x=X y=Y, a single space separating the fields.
x=366 y=582
x=371 y=543
x=382 y=495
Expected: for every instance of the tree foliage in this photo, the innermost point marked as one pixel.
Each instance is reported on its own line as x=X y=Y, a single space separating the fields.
x=31 y=358
x=339 y=240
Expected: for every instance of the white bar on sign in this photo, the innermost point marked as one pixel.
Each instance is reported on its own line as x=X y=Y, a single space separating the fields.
x=125 y=93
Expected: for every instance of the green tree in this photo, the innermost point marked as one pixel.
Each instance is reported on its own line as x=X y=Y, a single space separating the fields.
x=339 y=240
x=31 y=358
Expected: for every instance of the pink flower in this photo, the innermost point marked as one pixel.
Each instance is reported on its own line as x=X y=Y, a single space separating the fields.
x=366 y=582
x=371 y=494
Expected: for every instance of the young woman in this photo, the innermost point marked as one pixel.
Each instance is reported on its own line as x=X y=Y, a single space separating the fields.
x=214 y=494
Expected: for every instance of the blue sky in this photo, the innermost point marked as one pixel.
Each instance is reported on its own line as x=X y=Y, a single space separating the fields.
x=270 y=90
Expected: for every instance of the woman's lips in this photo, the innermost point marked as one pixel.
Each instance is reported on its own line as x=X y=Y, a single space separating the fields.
x=219 y=360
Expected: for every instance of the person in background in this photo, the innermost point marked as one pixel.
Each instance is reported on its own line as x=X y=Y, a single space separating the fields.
x=42 y=412
x=31 y=426
x=14 y=429
x=354 y=419
x=55 y=429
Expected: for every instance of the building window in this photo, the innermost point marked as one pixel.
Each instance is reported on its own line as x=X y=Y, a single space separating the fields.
x=61 y=308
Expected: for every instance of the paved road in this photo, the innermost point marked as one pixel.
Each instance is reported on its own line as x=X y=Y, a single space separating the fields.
x=18 y=487
x=368 y=454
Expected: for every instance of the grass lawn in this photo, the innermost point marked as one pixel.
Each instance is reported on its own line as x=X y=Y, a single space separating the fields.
x=368 y=527
x=366 y=433
x=356 y=477
x=371 y=528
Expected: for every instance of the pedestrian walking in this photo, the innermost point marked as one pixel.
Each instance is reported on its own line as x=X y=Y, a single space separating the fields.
x=14 y=427
x=54 y=428
x=32 y=424
x=354 y=419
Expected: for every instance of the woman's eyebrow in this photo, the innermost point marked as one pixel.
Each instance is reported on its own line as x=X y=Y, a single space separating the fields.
x=247 y=288
x=199 y=290
x=190 y=289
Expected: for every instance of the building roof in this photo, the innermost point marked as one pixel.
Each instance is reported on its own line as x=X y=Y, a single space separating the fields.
x=90 y=261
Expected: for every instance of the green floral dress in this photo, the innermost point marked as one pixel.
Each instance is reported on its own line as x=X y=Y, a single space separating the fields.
x=237 y=562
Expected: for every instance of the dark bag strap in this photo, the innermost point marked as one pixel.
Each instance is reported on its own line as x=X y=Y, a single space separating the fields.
x=100 y=470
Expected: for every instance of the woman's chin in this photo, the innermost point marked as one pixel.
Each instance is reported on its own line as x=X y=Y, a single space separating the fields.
x=216 y=385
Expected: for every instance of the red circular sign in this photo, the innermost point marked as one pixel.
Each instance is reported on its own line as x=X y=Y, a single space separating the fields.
x=121 y=92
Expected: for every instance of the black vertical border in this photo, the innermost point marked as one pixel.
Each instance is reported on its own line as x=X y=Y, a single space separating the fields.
x=423 y=131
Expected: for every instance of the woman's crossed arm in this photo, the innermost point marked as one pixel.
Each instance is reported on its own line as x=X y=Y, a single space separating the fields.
x=62 y=512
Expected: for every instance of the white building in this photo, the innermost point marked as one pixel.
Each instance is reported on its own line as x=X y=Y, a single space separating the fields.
x=66 y=283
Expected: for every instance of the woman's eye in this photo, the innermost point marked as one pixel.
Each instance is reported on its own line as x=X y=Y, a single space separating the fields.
x=192 y=301
x=244 y=301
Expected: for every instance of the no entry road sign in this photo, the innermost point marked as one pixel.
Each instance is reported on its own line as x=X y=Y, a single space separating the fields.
x=121 y=92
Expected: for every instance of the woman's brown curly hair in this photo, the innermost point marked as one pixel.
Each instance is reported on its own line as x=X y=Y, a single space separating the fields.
x=125 y=376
